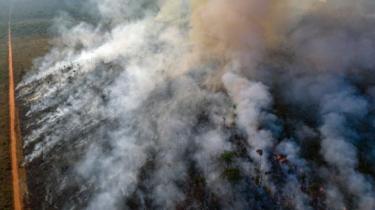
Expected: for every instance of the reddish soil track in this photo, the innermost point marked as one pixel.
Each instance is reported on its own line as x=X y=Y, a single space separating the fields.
x=17 y=192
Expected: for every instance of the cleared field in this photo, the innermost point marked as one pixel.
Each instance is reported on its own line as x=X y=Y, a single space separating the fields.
x=31 y=28
x=30 y=40
x=5 y=169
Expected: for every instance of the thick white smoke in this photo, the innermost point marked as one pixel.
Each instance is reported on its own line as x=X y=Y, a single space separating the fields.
x=213 y=104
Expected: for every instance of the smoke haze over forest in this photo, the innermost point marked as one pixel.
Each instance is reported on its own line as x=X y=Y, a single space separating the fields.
x=203 y=104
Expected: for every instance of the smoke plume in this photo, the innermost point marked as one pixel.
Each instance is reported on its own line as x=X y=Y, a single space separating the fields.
x=210 y=104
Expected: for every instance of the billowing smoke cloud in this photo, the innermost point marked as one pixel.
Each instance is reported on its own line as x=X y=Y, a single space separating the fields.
x=211 y=104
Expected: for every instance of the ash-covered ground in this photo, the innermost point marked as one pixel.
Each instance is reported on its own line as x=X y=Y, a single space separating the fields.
x=209 y=104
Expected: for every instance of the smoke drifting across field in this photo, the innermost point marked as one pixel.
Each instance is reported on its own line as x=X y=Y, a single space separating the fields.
x=210 y=104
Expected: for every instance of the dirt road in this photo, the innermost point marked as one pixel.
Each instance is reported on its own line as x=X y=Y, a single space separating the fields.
x=17 y=193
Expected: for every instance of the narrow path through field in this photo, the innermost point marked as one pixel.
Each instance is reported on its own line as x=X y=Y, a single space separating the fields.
x=17 y=193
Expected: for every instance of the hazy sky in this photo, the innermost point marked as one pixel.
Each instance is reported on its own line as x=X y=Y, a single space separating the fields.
x=23 y=9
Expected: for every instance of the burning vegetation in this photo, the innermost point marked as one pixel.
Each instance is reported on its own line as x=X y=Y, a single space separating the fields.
x=209 y=104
